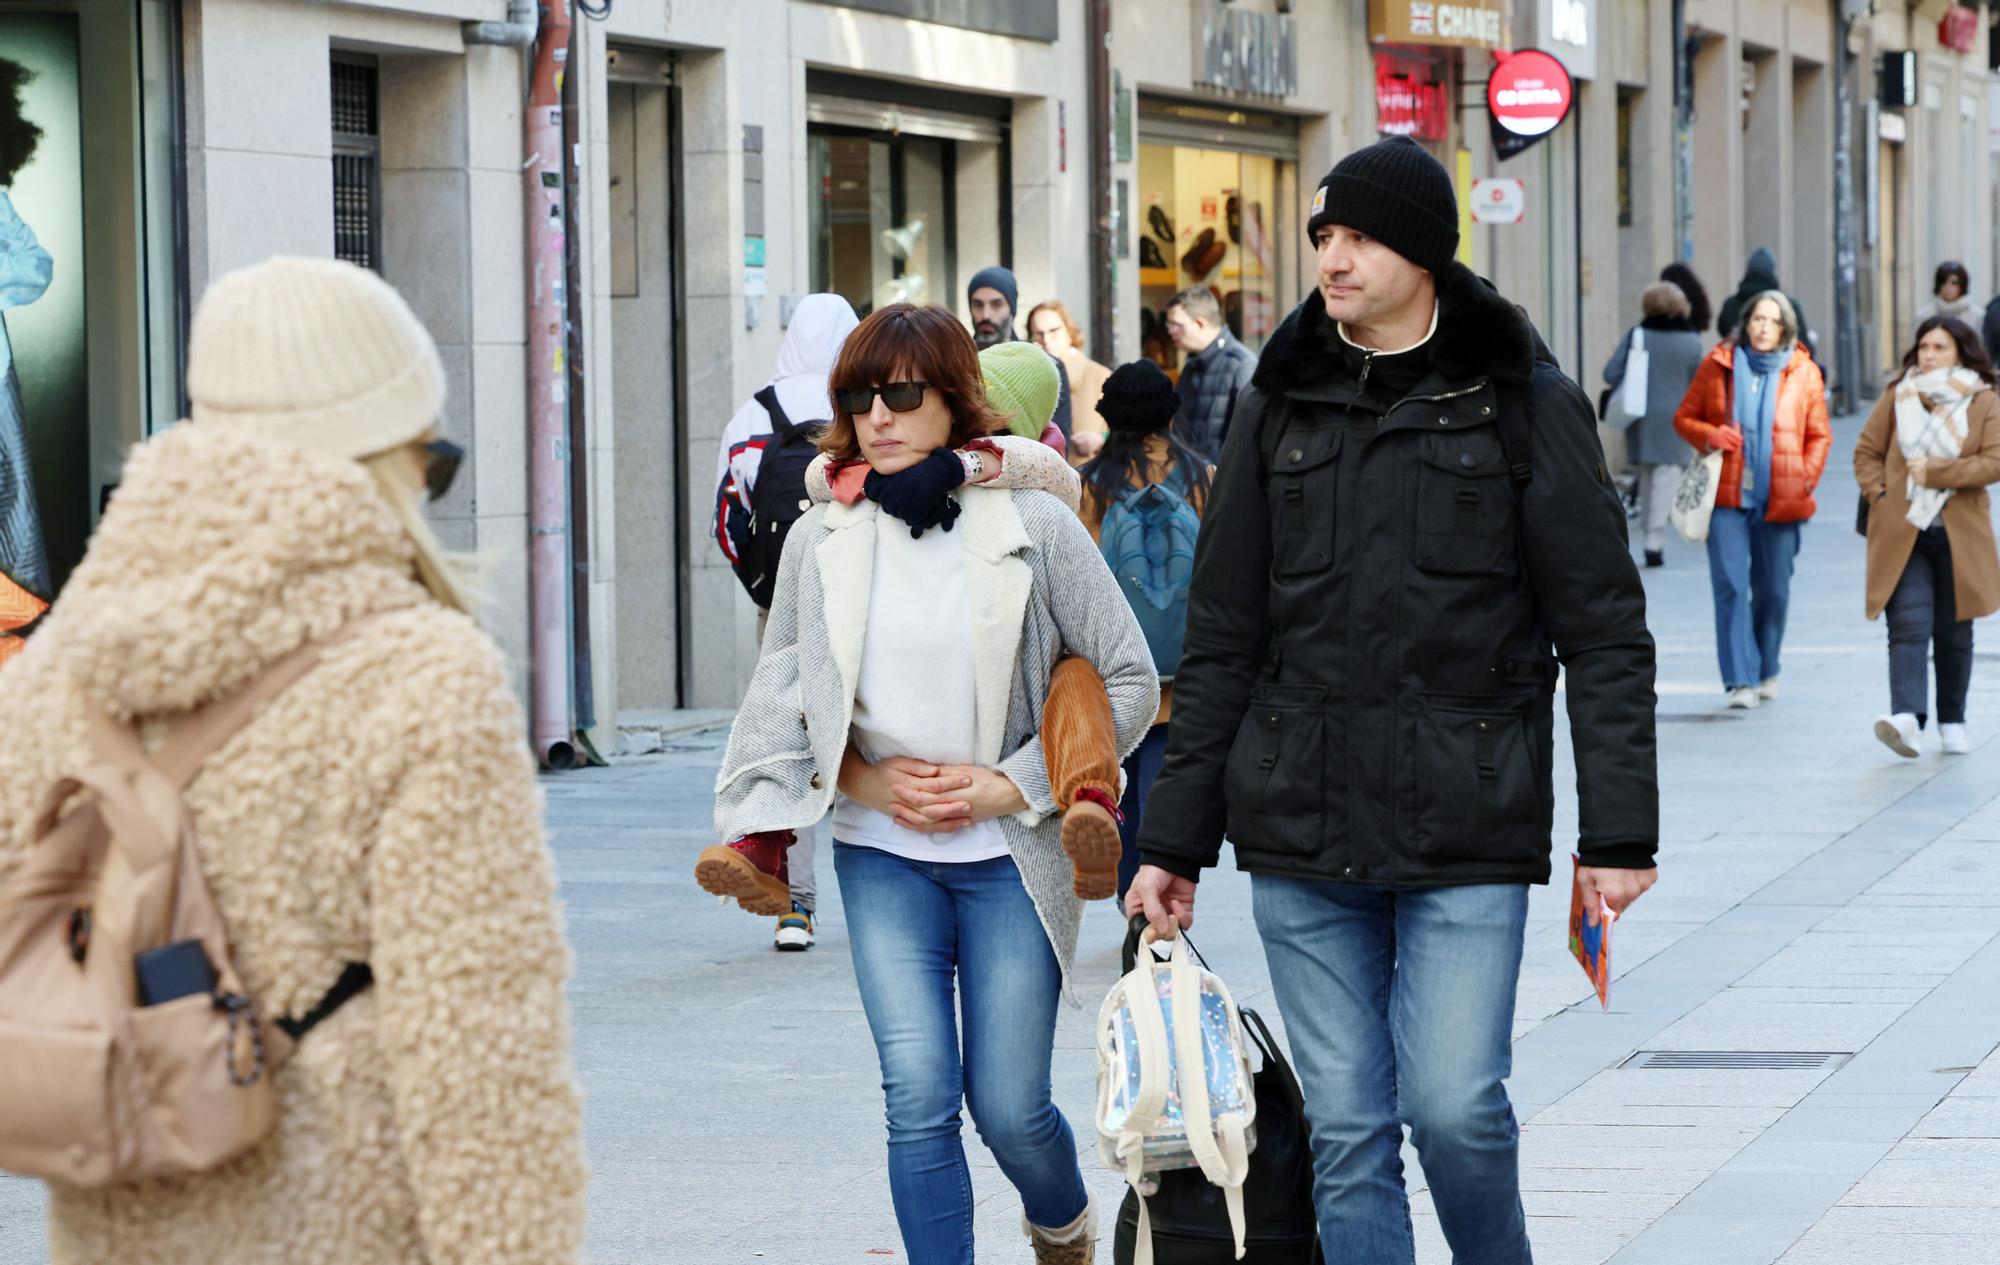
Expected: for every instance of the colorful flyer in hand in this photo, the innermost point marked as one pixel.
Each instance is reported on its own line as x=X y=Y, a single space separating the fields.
x=1591 y=945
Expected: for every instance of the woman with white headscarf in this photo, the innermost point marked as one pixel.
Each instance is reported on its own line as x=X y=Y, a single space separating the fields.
x=1924 y=461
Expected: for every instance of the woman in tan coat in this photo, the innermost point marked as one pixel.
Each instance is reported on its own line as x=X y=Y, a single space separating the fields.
x=1055 y=331
x=381 y=811
x=1924 y=461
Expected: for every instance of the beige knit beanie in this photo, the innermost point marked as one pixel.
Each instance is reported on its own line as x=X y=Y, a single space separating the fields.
x=319 y=354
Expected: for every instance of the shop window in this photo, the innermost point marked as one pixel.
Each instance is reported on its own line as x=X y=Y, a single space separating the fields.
x=94 y=303
x=1628 y=110
x=1213 y=218
x=1411 y=98
x=885 y=223
x=357 y=161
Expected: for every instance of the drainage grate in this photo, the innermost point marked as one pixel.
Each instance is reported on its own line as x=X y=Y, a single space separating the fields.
x=1695 y=718
x=1734 y=1060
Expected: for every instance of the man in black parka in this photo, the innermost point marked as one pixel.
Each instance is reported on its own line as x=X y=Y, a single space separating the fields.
x=1411 y=527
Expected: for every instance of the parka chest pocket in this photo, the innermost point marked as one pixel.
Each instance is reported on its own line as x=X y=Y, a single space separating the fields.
x=1305 y=472
x=1465 y=505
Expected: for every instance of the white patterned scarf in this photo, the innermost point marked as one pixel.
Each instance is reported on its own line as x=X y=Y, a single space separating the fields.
x=1931 y=422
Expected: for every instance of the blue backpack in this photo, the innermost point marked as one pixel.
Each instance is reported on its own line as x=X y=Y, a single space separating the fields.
x=1148 y=542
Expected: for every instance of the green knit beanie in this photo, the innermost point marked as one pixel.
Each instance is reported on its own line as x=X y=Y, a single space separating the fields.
x=1021 y=384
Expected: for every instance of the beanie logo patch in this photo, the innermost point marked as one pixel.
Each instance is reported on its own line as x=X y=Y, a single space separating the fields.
x=1319 y=200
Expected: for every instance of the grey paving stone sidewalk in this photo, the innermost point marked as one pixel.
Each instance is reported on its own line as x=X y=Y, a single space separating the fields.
x=1817 y=895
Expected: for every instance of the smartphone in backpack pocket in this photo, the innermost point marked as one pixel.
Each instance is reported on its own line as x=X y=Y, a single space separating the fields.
x=177 y=970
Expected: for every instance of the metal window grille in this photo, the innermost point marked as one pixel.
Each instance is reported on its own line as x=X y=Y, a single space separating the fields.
x=357 y=162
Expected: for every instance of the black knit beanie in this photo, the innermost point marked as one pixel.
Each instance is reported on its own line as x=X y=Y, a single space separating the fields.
x=997 y=278
x=1398 y=194
x=1138 y=396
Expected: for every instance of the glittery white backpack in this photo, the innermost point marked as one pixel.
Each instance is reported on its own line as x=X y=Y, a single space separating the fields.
x=1174 y=1087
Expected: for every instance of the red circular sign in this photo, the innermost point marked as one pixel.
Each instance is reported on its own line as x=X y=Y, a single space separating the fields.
x=1529 y=93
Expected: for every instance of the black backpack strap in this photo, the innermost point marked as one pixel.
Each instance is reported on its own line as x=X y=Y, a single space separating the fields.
x=780 y=424
x=353 y=982
x=1516 y=402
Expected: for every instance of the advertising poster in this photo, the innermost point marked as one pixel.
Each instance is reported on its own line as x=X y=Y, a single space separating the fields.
x=43 y=386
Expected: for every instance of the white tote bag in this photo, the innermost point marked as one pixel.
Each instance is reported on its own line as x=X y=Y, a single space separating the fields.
x=1632 y=389
x=1694 y=499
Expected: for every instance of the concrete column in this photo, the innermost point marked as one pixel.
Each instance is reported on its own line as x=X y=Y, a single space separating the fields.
x=978 y=227
x=260 y=139
x=1809 y=258
x=1766 y=155
x=1718 y=148
x=1603 y=315
x=642 y=311
x=1041 y=235
x=718 y=360
x=427 y=249
x=496 y=290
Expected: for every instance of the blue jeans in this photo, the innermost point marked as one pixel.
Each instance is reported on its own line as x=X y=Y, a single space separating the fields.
x=1399 y=1003
x=1141 y=767
x=1750 y=568
x=913 y=925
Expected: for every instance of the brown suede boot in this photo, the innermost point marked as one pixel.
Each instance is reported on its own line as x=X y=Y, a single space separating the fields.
x=1074 y=1244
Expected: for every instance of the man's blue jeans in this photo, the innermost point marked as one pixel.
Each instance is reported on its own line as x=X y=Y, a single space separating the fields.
x=914 y=925
x=1399 y=1005
x=1750 y=570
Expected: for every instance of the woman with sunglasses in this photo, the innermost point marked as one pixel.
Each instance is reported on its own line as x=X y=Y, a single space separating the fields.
x=373 y=837
x=905 y=672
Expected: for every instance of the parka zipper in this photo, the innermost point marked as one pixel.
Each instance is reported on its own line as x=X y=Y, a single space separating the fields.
x=1447 y=395
x=1367 y=363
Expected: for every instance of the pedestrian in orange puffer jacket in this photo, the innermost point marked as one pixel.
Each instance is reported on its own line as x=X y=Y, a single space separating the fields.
x=1760 y=399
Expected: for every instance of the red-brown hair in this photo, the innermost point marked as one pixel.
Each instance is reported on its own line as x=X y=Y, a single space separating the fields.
x=906 y=343
x=1062 y=314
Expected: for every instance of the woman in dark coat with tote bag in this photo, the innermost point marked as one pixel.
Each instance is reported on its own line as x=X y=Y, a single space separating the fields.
x=1671 y=344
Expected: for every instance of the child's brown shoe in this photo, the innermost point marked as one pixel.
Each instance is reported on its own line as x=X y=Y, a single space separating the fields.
x=1090 y=837
x=753 y=870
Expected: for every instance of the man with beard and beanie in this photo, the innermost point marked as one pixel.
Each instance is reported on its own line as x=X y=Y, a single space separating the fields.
x=993 y=296
x=1411 y=527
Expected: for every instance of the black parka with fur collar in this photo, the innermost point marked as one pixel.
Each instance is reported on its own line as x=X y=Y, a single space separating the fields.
x=1377 y=615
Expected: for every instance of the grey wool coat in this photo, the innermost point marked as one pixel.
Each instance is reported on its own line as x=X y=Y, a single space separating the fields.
x=1038 y=588
x=1672 y=356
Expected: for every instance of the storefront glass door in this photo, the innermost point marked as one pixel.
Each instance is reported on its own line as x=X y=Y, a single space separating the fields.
x=91 y=218
x=882 y=219
x=1218 y=219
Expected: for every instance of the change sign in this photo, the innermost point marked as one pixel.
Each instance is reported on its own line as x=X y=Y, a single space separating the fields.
x=1527 y=96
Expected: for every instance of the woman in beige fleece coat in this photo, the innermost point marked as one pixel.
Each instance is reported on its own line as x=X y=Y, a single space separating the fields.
x=383 y=810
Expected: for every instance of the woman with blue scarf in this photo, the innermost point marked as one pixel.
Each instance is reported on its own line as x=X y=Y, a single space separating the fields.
x=1760 y=400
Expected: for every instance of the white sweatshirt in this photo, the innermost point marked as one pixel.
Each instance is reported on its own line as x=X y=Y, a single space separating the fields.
x=916 y=693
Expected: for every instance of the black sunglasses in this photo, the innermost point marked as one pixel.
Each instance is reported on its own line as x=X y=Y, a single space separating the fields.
x=901 y=397
x=442 y=459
